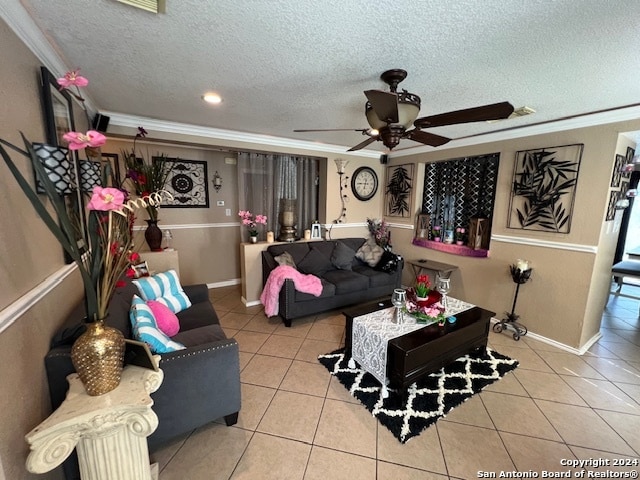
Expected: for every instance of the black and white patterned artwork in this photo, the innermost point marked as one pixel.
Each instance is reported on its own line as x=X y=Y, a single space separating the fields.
x=187 y=182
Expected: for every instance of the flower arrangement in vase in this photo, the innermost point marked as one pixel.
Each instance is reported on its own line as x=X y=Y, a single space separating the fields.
x=436 y=232
x=147 y=179
x=252 y=221
x=425 y=313
x=379 y=230
x=101 y=267
x=460 y=233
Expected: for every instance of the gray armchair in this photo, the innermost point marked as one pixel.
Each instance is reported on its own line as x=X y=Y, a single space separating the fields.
x=201 y=383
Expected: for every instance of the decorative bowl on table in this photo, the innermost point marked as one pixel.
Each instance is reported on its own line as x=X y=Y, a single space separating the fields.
x=425 y=310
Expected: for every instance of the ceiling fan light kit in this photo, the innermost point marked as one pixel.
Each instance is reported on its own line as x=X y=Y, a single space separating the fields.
x=393 y=114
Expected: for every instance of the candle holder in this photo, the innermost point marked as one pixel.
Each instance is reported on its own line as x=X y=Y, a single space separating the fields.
x=520 y=276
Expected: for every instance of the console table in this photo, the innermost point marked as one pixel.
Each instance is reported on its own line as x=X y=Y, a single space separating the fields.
x=442 y=269
x=109 y=431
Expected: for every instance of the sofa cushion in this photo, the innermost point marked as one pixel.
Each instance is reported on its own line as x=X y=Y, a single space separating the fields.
x=200 y=336
x=315 y=263
x=167 y=321
x=370 y=253
x=285 y=259
x=376 y=278
x=347 y=281
x=197 y=315
x=296 y=250
x=328 y=290
x=146 y=330
x=342 y=256
x=164 y=287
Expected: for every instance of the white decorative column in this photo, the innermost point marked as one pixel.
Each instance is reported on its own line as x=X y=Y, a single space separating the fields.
x=110 y=431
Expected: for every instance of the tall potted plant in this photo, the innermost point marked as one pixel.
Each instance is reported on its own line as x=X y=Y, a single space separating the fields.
x=98 y=354
x=108 y=257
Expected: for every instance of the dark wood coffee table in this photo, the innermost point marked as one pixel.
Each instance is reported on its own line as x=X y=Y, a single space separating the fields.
x=424 y=351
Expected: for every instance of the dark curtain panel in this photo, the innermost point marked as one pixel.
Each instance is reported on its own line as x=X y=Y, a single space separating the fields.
x=457 y=190
x=265 y=179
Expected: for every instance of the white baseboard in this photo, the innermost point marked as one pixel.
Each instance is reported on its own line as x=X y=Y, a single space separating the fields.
x=225 y=283
x=561 y=346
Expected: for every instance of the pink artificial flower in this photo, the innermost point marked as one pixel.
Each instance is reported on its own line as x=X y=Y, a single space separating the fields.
x=106 y=199
x=78 y=141
x=73 y=79
x=261 y=219
x=246 y=221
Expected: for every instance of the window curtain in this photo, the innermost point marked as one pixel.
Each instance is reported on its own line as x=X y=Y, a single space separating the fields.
x=265 y=179
x=457 y=190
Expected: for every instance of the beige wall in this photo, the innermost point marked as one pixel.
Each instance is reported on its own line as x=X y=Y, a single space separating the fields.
x=208 y=248
x=28 y=255
x=568 y=290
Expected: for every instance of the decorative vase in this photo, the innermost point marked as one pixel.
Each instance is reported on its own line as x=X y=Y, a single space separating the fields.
x=98 y=357
x=153 y=236
x=436 y=239
x=432 y=297
x=459 y=242
x=253 y=239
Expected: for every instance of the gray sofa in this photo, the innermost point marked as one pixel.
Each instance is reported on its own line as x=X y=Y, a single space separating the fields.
x=355 y=282
x=201 y=383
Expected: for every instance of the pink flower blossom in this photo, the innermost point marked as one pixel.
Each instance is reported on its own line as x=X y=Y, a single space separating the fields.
x=73 y=79
x=261 y=219
x=78 y=141
x=106 y=199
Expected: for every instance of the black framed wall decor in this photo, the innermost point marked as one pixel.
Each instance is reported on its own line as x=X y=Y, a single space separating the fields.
x=187 y=183
x=543 y=188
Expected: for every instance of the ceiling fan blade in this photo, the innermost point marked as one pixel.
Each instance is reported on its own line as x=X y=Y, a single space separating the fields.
x=426 y=138
x=363 y=144
x=495 y=111
x=335 y=130
x=384 y=104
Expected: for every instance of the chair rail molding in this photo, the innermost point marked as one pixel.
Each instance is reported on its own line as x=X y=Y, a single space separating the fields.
x=15 y=310
x=534 y=242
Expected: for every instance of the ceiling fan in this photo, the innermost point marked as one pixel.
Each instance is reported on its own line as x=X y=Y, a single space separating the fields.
x=391 y=115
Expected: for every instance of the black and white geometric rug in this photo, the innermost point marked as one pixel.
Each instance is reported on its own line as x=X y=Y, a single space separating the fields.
x=428 y=399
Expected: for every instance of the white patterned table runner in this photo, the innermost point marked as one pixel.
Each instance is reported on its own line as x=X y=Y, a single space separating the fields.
x=371 y=334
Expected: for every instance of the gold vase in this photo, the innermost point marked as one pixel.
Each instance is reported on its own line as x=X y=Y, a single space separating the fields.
x=98 y=357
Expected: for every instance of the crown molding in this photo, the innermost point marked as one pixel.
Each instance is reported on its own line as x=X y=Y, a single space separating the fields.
x=133 y=121
x=19 y=20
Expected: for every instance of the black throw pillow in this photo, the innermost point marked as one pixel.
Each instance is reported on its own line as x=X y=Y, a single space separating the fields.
x=388 y=262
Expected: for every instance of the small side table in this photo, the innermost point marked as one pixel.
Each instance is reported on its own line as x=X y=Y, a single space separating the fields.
x=442 y=269
x=110 y=431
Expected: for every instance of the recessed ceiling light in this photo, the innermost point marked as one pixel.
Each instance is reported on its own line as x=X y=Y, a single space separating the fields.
x=212 y=98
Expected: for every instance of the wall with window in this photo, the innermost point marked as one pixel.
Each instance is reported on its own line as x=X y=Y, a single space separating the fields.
x=569 y=286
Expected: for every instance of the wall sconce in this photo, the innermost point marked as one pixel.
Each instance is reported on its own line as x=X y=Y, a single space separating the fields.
x=217 y=181
x=340 y=165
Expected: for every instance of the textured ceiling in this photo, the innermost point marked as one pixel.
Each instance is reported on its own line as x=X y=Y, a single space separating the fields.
x=282 y=65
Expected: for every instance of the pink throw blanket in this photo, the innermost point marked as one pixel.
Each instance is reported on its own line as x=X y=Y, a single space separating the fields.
x=303 y=283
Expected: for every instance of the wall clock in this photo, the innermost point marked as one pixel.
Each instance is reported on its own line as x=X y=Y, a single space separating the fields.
x=364 y=183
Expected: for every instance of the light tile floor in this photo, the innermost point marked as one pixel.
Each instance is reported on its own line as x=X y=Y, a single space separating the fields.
x=297 y=422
